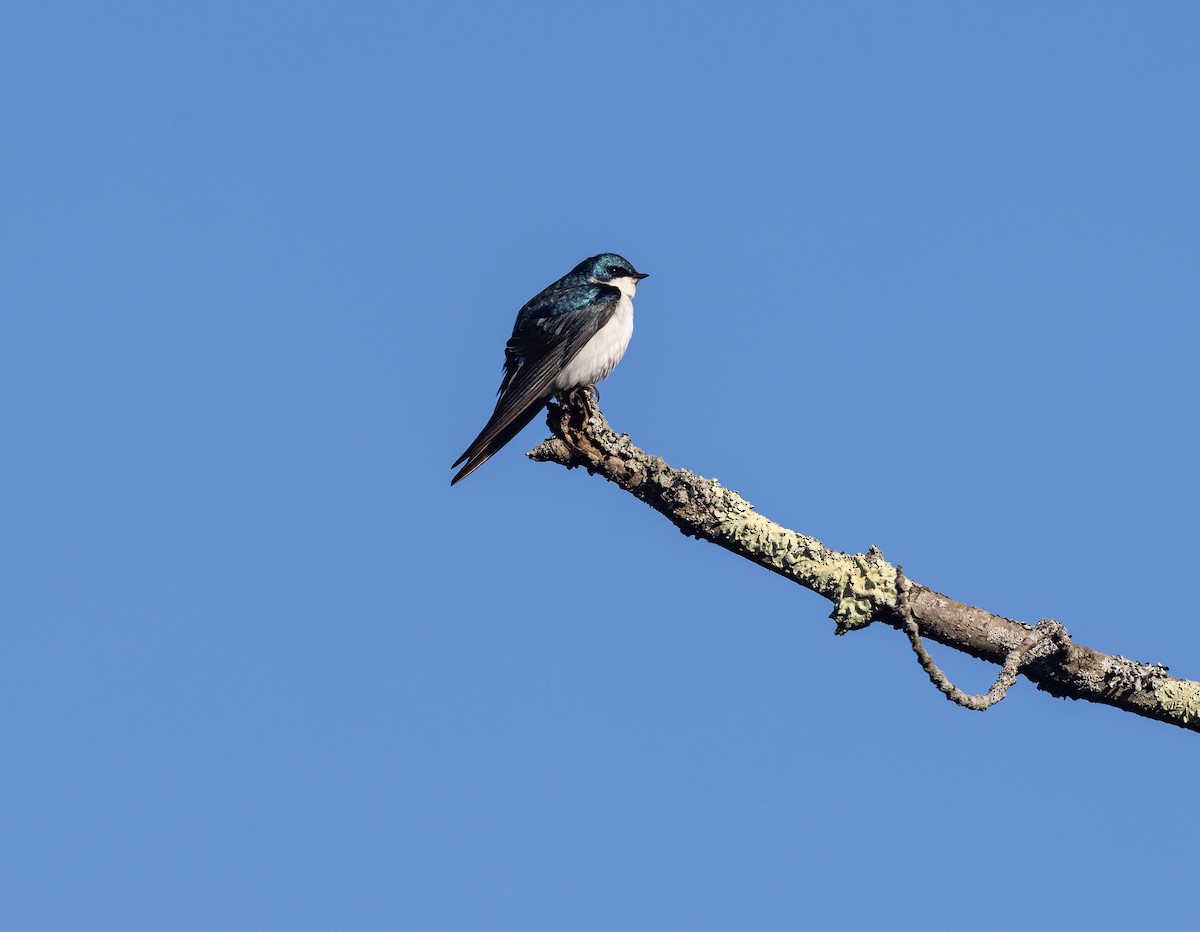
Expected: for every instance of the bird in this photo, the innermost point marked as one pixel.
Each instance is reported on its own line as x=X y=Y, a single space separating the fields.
x=569 y=335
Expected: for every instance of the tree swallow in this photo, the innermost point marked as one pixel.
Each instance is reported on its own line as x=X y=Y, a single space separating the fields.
x=571 y=334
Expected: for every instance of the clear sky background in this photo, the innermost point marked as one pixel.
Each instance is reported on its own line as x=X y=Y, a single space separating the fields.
x=923 y=276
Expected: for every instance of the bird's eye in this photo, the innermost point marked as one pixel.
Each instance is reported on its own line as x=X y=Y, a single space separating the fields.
x=615 y=270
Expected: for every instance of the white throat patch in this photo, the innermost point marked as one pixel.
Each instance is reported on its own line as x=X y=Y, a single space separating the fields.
x=627 y=284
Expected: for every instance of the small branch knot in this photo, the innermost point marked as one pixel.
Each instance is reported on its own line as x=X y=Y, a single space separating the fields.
x=1053 y=639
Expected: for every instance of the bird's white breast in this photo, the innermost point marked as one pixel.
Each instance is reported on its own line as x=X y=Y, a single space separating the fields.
x=604 y=350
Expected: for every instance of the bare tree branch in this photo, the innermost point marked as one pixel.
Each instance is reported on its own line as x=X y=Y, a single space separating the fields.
x=865 y=588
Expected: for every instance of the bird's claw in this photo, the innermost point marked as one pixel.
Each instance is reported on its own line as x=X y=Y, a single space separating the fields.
x=577 y=397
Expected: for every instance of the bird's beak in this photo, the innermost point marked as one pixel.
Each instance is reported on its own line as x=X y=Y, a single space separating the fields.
x=640 y=275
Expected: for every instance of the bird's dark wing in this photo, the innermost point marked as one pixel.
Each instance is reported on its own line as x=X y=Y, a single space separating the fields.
x=549 y=331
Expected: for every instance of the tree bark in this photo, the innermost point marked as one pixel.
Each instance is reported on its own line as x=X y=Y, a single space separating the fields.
x=864 y=588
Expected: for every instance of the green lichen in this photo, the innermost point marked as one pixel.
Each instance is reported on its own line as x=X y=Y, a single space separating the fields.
x=1180 y=699
x=868 y=585
x=859 y=585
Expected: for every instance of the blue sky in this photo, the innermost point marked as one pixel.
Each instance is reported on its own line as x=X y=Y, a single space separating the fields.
x=923 y=276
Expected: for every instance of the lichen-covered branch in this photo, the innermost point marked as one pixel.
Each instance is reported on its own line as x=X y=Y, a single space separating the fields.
x=862 y=587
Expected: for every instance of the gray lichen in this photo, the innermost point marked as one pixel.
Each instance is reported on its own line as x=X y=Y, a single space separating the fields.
x=1125 y=675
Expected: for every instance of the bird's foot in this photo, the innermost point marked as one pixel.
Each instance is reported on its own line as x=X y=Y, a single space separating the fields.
x=577 y=397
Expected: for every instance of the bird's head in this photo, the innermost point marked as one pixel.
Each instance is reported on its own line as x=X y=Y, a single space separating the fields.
x=610 y=269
